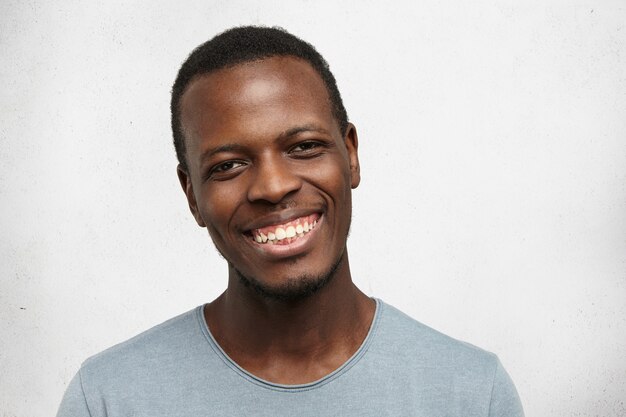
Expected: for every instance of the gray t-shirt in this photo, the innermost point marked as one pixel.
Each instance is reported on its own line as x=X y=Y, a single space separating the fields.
x=403 y=368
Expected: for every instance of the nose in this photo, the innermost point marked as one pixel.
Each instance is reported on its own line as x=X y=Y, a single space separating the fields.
x=273 y=180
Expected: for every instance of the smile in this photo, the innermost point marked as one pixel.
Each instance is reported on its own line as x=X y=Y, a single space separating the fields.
x=286 y=233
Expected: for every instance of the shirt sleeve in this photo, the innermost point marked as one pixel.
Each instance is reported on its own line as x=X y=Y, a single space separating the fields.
x=74 y=403
x=505 y=401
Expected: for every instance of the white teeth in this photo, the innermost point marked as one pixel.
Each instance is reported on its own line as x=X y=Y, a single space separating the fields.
x=284 y=232
x=280 y=233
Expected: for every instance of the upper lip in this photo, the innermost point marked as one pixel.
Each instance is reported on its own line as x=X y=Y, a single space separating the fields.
x=278 y=218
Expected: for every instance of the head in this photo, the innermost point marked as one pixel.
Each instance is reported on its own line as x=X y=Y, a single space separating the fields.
x=267 y=159
x=246 y=44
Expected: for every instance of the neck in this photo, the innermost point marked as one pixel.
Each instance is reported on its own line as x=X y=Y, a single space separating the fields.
x=291 y=341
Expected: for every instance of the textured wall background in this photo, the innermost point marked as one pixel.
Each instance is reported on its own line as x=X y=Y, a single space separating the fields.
x=492 y=207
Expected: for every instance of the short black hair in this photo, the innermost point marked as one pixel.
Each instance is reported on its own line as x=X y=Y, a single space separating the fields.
x=246 y=44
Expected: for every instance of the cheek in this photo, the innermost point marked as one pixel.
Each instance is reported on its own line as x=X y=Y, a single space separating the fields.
x=335 y=181
x=217 y=208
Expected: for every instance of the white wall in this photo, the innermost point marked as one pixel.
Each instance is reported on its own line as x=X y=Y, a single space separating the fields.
x=492 y=207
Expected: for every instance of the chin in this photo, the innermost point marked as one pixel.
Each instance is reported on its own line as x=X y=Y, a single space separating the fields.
x=294 y=288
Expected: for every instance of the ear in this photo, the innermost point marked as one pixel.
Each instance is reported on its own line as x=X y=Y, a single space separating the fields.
x=352 y=145
x=185 y=182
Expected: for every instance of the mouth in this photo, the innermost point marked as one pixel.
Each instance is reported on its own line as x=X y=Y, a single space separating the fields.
x=289 y=238
x=285 y=233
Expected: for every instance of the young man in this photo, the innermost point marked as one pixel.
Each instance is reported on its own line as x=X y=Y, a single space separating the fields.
x=268 y=161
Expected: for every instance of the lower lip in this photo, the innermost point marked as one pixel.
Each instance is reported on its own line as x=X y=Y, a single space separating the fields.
x=297 y=247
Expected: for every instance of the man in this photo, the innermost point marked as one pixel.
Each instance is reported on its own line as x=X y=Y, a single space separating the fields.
x=268 y=161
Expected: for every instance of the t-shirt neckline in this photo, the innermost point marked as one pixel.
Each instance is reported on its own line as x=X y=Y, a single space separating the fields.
x=345 y=367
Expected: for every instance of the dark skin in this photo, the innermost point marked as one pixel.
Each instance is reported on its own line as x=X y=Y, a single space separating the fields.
x=263 y=149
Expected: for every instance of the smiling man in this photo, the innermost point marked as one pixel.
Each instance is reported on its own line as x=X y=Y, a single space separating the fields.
x=268 y=161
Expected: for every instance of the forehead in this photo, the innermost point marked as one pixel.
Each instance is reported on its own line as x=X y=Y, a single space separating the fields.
x=255 y=99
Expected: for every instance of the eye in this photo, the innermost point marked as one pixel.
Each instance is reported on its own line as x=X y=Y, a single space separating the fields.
x=306 y=148
x=226 y=166
x=223 y=170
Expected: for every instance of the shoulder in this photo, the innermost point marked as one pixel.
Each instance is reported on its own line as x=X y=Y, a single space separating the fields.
x=417 y=345
x=131 y=375
x=456 y=374
x=154 y=348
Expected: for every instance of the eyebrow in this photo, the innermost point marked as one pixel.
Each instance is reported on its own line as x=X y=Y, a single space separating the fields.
x=300 y=129
x=228 y=147
x=236 y=147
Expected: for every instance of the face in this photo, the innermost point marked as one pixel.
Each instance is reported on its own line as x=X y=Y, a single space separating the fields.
x=269 y=173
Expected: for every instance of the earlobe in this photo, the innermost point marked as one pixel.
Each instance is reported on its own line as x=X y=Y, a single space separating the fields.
x=185 y=183
x=352 y=145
